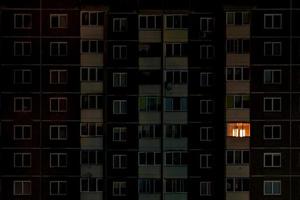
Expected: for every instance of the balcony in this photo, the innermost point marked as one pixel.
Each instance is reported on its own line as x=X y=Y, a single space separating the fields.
x=237 y=59
x=149 y=117
x=91 y=59
x=238 y=114
x=149 y=144
x=177 y=90
x=91 y=87
x=176 y=196
x=175 y=117
x=176 y=35
x=145 y=196
x=180 y=171
x=176 y=62
x=237 y=170
x=241 y=31
x=149 y=90
x=91 y=195
x=176 y=143
x=92 y=170
x=93 y=115
x=149 y=171
x=150 y=36
x=148 y=63
x=238 y=195
x=238 y=87
x=93 y=32
x=91 y=143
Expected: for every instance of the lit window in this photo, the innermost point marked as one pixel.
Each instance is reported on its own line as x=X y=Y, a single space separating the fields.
x=238 y=129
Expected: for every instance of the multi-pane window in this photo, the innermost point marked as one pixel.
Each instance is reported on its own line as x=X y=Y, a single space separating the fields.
x=149 y=186
x=58 y=132
x=58 y=104
x=90 y=74
x=22 y=132
x=149 y=50
x=22 y=160
x=149 y=104
x=272 y=187
x=176 y=21
x=272 y=104
x=238 y=46
x=206 y=133
x=149 y=158
x=150 y=22
x=119 y=161
x=58 y=160
x=272 y=132
x=58 y=20
x=272 y=48
x=176 y=50
x=207 y=51
x=205 y=188
x=175 y=130
x=237 y=184
x=237 y=73
x=22 y=48
x=273 y=21
x=119 y=107
x=237 y=18
x=237 y=157
x=22 y=76
x=119 y=134
x=92 y=18
x=22 y=187
x=120 y=79
x=119 y=188
x=22 y=104
x=22 y=21
x=206 y=24
x=91 y=102
x=91 y=184
x=91 y=157
x=119 y=52
x=91 y=46
x=238 y=101
x=58 y=188
x=176 y=104
x=272 y=159
x=120 y=24
x=176 y=185
x=206 y=106
x=206 y=79
x=205 y=161
x=58 y=76
x=175 y=158
x=91 y=129
x=58 y=48
x=149 y=131
x=176 y=77
x=272 y=76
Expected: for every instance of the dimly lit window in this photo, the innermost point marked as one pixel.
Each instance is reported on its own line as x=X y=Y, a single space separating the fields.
x=272 y=76
x=175 y=104
x=272 y=187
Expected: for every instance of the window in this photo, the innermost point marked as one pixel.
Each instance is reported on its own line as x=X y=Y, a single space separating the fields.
x=22 y=76
x=119 y=161
x=119 y=188
x=272 y=159
x=58 y=188
x=22 y=187
x=149 y=104
x=120 y=79
x=272 y=76
x=92 y=18
x=237 y=18
x=58 y=21
x=91 y=157
x=176 y=185
x=272 y=187
x=176 y=77
x=149 y=131
x=58 y=104
x=91 y=102
x=58 y=160
x=149 y=158
x=272 y=132
x=119 y=134
x=237 y=184
x=58 y=48
x=206 y=134
x=206 y=24
x=237 y=157
x=205 y=188
x=91 y=184
x=90 y=74
x=207 y=51
x=58 y=132
x=22 y=160
x=176 y=21
x=238 y=129
x=22 y=21
x=272 y=48
x=176 y=50
x=205 y=161
x=120 y=25
x=206 y=106
x=206 y=79
x=149 y=22
x=119 y=107
x=22 y=132
x=272 y=104
x=22 y=104
x=58 y=76
x=238 y=101
x=176 y=104
x=91 y=129
x=175 y=130
x=119 y=52
x=175 y=158
x=91 y=46
x=238 y=46
x=272 y=21
x=237 y=73
x=22 y=48
x=149 y=186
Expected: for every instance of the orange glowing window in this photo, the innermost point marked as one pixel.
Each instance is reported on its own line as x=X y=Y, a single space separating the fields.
x=238 y=129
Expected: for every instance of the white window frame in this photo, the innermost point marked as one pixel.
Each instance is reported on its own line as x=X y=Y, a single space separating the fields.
x=148 y=185
x=88 y=179
x=120 y=133
x=234 y=18
x=173 y=24
x=60 y=156
x=273 y=192
x=121 y=21
x=58 y=99
x=23 y=155
x=22 y=182
x=119 y=158
x=206 y=77
x=272 y=48
x=273 y=18
x=58 y=127
x=23 y=127
x=98 y=46
x=89 y=16
x=120 y=103
x=272 y=71
x=89 y=106
x=172 y=153
x=207 y=157
x=58 y=186
x=235 y=181
x=120 y=79
x=205 y=22
x=207 y=102
x=177 y=183
x=234 y=156
x=272 y=127
x=148 y=131
x=208 y=188
x=146 y=19
x=59 y=44
x=22 y=71
x=234 y=69
x=89 y=69
x=23 y=107
x=155 y=155
x=22 y=26
x=59 y=25
x=207 y=48
x=182 y=73
x=89 y=155
x=89 y=125
x=173 y=46
x=120 y=47
x=59 y=72
x=119 y=185
x=22 y=43
x=206 y=131
x=273 y=155
x=272 y=104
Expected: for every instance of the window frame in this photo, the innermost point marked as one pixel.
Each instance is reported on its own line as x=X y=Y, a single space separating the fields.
x=120 y=79
x=23 y=53
x=23 y=155
x=59 y=75
x=272 y=182
x=272 y=43
x=22 y=15
x=23 y=126
x=273 y=155
x=120 y=102
x=60 y=156
x=22 y=182
x=208 y=157
x=58 y=99
x=22 y=71
x=272 y=127
x=59 y=44
x=272 y=104
x=59 y=23
x=208 y=186
x=58 y=187
x=23 y=99
x=118 y=29
x=119 y=158
x=58 y=132
x=272 y=15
